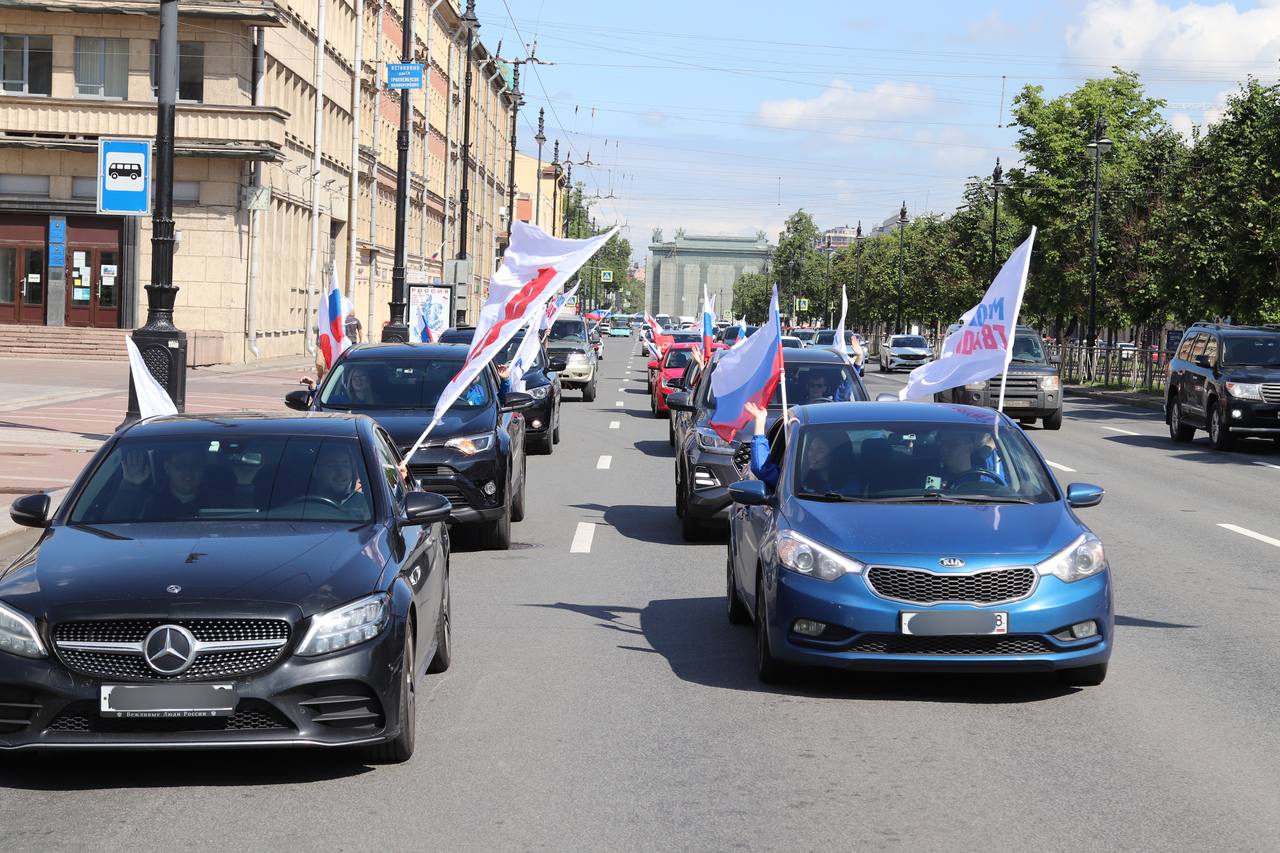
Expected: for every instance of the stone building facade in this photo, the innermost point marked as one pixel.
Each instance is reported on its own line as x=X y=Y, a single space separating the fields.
x=677 y=271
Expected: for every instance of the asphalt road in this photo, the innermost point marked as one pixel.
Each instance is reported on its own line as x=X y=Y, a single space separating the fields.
x=600 y=700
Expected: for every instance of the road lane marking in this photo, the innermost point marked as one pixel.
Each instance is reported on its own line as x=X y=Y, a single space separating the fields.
x=615 y=424
x=1266 y=464
x=1061 y=467
x=1244 y=531
x=619 y=404
x=1122 y=431
x=582 y=538
x=604 y=463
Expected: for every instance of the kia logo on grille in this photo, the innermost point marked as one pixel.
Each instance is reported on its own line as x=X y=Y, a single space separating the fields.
x=951 y=563
x=169 y=649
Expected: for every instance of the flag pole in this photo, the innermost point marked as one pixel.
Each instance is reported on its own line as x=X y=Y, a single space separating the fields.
x=1017 y=314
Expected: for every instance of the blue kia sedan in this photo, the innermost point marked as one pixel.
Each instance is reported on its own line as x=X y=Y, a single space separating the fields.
x=916 y=536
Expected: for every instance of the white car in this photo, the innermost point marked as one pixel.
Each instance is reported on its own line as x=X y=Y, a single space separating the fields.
x=904 y=352
x=792 y=342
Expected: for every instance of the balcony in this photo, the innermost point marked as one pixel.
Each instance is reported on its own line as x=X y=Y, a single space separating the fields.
x=263 y=13
x=203 y=130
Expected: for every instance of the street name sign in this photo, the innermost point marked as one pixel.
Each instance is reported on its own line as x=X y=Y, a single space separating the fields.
x=124 y=176
x=404 y=75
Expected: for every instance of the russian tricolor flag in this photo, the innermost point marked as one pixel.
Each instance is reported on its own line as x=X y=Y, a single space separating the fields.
x=708 y=322
x=747 y=374
x=330 y=323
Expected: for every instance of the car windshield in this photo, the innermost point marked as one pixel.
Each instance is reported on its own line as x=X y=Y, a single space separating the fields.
x=1027 y=349
x=791 y=343
x=685 y=337
x=262 y=478
x=908 y=341
x=804 y=334
x=924 y=462
x=677 y=358
x=1262 y=350
x=619 y=322
x=366 y=384
x=824 y=338
x=568 y=330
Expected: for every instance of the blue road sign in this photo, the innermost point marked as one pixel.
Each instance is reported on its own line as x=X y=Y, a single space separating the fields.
x=124 y=176
x=404 y=75
x=57 y=254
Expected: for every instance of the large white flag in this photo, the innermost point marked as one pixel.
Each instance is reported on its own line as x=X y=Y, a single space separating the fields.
x=525 y=355
x=840 y=344
x=153 y=400
x=981 y=347
x=534 y=267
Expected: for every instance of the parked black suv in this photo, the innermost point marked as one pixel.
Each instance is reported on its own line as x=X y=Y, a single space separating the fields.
x=474 y=457
x=1224 y=379
x=1033 y=388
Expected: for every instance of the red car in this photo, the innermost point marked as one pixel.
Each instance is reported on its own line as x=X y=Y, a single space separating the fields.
x=671 y=367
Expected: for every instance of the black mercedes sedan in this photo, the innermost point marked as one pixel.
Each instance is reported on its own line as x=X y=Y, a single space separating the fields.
x=474 y=457
x=228 y=581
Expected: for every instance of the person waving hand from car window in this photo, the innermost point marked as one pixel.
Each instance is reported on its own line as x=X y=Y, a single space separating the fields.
x=765 y=471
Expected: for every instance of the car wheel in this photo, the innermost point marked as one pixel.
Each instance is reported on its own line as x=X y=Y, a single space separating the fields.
x=517 y=502
x=555 y=433
x=1219 y=432
x=679 y=494
x=496 y=534
x=589 y=391
x=883 y=369
x=400 y=748
x=690 y=528
x=671 y=433
x=1054 y=421
x=1084 y=676
x=1179 y=430
x=768 y=668
x=444 y=634
x=736 y=610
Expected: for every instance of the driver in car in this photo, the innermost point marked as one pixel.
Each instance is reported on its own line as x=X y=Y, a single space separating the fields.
x=970 y=457
x=335 y=478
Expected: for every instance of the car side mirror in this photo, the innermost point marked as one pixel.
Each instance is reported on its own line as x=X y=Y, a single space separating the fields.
x=680 y=402
x=749 y=492
x=30 y=511
x=557 y=364
x=1080 y=495
x=422 y=508
x=516 y=401
x=653 y=365
x=299 y=401
x=1202 y=360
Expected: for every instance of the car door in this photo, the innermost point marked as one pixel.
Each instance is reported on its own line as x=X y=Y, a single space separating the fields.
x=758 y=522
x=424 y=560
x=513 y=424
x=1194 y=381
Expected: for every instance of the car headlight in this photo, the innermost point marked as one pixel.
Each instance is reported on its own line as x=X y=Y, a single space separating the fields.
x=1080 y=559
x=18 y=634
x=710 y=441
x=346 y=626
x=577 y=359
x=539 y=393
x=1049 y=383
x=470 y=445
x=1244 y=390
x=802 y=555
x=975 y=386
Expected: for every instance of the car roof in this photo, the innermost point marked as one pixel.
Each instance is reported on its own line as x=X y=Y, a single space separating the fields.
x=446 y=351
x=887 y=412
x=252 y=423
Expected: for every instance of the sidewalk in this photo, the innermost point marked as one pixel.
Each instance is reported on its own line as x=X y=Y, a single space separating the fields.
x=57 y=413
x=1130 y=398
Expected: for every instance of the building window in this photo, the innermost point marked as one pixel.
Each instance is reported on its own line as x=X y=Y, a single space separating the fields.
x=24 y=185
x=190 y=72
x=102 y=68
x=26 y=65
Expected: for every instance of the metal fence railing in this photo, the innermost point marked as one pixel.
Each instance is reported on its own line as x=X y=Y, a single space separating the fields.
x=1130 y=367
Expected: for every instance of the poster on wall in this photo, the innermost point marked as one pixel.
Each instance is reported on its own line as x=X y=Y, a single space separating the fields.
x=428 y=312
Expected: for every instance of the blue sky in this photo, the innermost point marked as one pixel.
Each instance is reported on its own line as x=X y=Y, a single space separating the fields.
x=723 y=118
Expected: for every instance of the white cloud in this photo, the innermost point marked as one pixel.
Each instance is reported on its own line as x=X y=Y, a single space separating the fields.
x=1184 y=121
x=993 y=28
x=842 y=101
x=1192 y=40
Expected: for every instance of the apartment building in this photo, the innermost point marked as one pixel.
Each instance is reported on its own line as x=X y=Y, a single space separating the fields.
x=547 y=200
x=285 y=171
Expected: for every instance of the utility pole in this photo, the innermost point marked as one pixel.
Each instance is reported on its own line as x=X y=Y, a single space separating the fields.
x=397 y=330
x=857 y=280
x=163 y=345
x=995 y=213
x=1100 y=145
x=472 y=24
x=902 y=228
x=516 y=103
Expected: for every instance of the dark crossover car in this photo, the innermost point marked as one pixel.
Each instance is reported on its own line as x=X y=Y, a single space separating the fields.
x=706 y=464
x=1033 y=389
x=573 y=355
x=1225 y=379
x=224 y=581
x=729 y=334
x=474 y=457
x=916 y=537
x=542 y=419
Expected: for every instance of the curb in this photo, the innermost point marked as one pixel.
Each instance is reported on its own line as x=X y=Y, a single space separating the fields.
x=1142 y=401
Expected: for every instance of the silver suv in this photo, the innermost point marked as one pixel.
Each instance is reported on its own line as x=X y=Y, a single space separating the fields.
x=904 y=351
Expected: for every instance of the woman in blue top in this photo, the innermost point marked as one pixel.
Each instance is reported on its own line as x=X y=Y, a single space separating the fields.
x=764 y=470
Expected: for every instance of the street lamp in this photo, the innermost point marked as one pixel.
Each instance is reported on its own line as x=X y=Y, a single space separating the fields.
x=470 y=23
x=541 y=139
x=1100 y=145
x=397 y=329
x=826 y=280
x=857 y=279
x=555 y=189
x=517 y=101
x=902 y=229
x=996 y=174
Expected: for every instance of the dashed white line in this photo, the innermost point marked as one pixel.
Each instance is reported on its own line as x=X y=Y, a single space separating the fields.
x=1122 y=431
x=603 y=463
x=615 y=424
x=619 y=404
x=1061 y=467
x=1244 y=531
x=1266 y=464
x=582 y=538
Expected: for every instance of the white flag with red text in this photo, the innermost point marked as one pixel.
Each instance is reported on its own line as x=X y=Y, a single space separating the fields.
x=534 y=267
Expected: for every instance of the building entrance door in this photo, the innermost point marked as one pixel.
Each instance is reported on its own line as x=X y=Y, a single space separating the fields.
x=22 y=270
x=93 y=273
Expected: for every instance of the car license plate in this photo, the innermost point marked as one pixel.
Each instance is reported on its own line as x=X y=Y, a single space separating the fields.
x=167 y=700
x=1017 y=404
x=955 y=622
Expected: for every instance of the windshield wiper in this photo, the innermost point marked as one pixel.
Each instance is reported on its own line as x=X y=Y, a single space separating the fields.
x=987 y=499
x=830 y=497
x=938 y=497
x=1022 y=359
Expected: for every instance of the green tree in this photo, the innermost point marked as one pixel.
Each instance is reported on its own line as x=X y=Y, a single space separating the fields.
x=751 y=294
x=798 y=265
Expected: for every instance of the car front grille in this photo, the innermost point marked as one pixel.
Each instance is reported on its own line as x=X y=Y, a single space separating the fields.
x=250 y=715
x=1271 y=392
x=908 y=644
x=917 y=586
x=453 y=493
x=128 y=665
x=420 y=471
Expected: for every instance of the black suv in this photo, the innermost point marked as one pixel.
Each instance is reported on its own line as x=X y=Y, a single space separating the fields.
x=1224 y=379
x=474 y=457
x=1033 y=388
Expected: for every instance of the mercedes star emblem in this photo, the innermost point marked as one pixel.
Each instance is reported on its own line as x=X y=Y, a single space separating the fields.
x=169 y=649
x=951 y=563
x=173 y=588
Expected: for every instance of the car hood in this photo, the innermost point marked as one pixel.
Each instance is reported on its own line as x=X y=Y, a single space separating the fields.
x=404 y=427
x=128 y=569
x=921 y=534
x=1250 y=374
x=1016 y=369
x=567 y=346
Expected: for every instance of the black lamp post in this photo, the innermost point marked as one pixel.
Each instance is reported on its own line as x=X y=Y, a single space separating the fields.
x=996 y=174
x=555 y=189
x=163 y=346
x=902 y=229
x=857 y=279
x=471 y=23
x=1097 y=147
x=397 y=330
x=541 y=139
x=517 y=101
